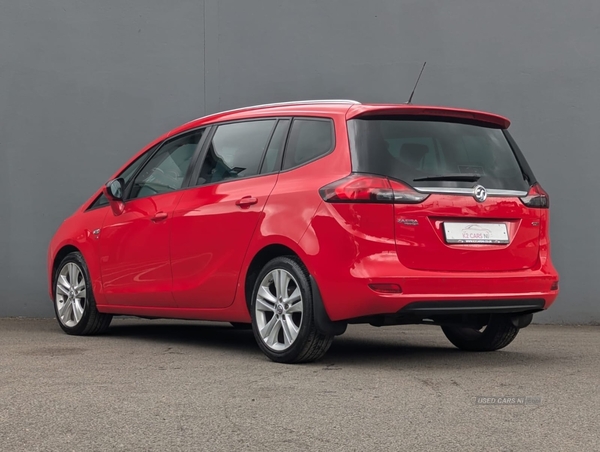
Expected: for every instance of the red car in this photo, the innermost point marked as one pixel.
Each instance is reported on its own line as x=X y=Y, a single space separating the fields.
x=300 y=218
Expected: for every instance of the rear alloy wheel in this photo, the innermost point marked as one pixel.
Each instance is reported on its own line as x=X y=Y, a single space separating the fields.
x=497 y=334
x=74 y=302
x=282 y=313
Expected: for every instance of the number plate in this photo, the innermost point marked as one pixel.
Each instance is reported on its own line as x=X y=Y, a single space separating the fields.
x=495 y=233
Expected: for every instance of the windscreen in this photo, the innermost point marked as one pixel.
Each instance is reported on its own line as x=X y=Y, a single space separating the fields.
x=418 y=152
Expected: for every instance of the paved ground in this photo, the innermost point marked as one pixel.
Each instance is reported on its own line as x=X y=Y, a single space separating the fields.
x=167 y=385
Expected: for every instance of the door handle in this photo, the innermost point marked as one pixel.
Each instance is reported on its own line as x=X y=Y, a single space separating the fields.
x=246 y=201
x=159 y=216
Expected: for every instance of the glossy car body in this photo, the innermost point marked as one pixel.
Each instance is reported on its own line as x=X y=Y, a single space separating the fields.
x=192 y=253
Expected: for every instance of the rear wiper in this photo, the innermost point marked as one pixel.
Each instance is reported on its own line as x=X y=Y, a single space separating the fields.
x=464 y=177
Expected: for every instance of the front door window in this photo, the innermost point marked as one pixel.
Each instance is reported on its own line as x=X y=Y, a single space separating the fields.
x=167 y=169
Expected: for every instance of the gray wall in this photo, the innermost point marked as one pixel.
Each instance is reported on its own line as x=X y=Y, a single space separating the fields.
x=85 y=84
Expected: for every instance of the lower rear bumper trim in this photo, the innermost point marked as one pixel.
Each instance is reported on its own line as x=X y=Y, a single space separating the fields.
x=473 y=307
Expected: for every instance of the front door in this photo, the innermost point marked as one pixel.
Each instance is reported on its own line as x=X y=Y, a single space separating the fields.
x=135 y=262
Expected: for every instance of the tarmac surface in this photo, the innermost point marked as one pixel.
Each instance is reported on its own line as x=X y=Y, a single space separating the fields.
x=175 y=385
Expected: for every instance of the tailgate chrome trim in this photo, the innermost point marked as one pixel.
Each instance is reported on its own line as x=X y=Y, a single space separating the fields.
x=471 y=191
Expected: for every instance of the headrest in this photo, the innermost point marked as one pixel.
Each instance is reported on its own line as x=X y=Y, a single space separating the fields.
x=413 y=152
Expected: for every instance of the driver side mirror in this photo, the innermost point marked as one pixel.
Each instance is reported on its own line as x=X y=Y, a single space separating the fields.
x=114 y=192
x=114 y=189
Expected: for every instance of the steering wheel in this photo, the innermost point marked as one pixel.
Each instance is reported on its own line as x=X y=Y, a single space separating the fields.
x=168 y=178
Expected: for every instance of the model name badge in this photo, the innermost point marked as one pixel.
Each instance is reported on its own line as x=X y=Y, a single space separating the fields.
x=408 y=221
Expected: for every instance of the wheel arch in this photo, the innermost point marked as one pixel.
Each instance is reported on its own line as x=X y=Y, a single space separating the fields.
x=269 y=252
x=63 y=252
x=259 y=260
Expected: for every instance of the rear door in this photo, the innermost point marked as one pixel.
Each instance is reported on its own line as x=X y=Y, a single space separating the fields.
x=215 y=220
x=473 y=218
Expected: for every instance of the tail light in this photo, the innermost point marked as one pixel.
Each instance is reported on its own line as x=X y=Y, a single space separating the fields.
x=364 y=188
x=537 y=197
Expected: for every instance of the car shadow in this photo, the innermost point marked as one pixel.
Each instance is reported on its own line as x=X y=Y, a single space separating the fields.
x=396 y=351
x=210 y=335
x=415 y=353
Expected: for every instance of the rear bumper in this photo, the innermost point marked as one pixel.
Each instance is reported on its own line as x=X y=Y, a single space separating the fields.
x=441 y=294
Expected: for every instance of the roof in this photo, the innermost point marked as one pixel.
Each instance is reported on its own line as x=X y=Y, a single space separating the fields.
x=350 y=108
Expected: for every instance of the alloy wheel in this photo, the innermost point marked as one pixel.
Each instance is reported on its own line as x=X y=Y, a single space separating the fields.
x=70 y=295
x=279 y=309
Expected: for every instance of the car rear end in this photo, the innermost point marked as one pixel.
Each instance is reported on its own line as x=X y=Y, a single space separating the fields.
x=441 y=218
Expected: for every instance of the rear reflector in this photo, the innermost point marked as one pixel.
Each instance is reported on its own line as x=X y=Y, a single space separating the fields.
x=554 y=286
x=366 y=188
x=537 y=197
x=386 y=288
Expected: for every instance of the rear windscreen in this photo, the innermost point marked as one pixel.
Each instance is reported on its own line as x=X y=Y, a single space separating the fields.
x=408 y=149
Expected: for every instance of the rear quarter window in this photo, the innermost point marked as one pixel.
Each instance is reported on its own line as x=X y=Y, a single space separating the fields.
x=308 y=140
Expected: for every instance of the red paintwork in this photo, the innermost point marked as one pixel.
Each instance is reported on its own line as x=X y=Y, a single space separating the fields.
x=135 y=252
x=364 y=252
x=210 y=235
x=192 y=263
x=423 y=247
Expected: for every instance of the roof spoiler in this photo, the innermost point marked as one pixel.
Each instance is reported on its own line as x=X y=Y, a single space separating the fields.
x=472 y=116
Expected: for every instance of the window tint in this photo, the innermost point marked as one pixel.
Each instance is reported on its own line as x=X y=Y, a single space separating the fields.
x=407 y=150
x=235 y=151
x=166 y=170
x=100 y=201
x=126 y=174
x=418 y=152
x=272 y=157
x=308 y=139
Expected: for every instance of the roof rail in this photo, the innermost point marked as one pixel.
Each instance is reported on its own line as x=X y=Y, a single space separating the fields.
x=293 y=102
x=302 y=102
x=282 y=104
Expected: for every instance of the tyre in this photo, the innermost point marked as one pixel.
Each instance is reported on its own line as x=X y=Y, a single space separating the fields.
x=74 y=303
x=497 y=334
x=282 y=313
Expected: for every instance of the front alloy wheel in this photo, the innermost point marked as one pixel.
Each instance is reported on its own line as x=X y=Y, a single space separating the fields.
x=70 y=295
x=282 y=313
x=74 y=302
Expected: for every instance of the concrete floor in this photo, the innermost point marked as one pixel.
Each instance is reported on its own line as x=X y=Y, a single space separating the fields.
x=170 y=385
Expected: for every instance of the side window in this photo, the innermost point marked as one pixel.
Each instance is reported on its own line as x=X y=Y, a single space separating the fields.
x=126 y=174
x=166 y=170
x=235 y=151
x=308 y=140
x=273 y=154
